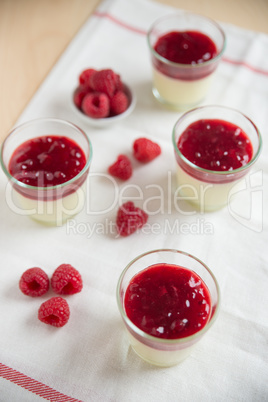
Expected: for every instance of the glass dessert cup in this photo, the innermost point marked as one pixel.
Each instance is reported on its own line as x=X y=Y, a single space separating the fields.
x=183 y=86
x=160 y=351
x=210 y=190
x=51 y=205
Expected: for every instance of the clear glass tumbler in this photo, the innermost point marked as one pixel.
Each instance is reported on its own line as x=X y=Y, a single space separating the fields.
x=155 y=350
x=51 y=205
x=182 y=86
x=210 y=190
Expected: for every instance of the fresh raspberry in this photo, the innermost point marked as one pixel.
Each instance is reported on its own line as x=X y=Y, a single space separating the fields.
x=54 y=311
x=96 y=105
x=104 y=81
x=34 y=282
x=79 y=95
x=129 y=219
x=119 y=103
x=145 y=150
x=66 y=280
x=122 y=168
x=84 y=77
x=119 y=86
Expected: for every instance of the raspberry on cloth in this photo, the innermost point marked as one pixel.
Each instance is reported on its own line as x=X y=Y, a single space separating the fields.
x=66 y=280
x=55 y=312
x=129 y=219
x=145 y=150
x=34 y=282
x=121 y=168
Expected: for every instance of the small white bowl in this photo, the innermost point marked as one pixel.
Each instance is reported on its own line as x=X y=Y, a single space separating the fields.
x=107 y=121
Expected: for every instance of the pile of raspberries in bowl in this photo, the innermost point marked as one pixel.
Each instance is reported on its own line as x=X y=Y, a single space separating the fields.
x=102 y=96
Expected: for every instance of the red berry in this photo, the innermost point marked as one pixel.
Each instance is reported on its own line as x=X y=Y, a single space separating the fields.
x=79 y=95
x=145 y=150
x=54 y=311
x=122 y=168
x=84 y=77
x=129 y=219
x=96 y=105
x=34 y=282
x=119 y=86
x=119 y=103
x=105 y=81
x=66 y=280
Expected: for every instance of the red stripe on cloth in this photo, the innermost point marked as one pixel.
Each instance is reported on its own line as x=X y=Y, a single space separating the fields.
x=34 y=386
x=244 y=64
x=118 y=22
x=142 y=32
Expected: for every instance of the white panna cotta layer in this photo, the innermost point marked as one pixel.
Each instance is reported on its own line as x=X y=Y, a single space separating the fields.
x=203 y=195
x=179 y=93
x=54 y=212
x=160 y=357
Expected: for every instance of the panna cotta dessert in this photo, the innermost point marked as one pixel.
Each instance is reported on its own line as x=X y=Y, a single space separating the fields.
x=168 y=305
x=185 y=51
x=214 y=148
x=47 y=162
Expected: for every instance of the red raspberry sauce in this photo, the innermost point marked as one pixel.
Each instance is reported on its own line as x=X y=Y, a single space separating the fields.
x=215 y=145
x=188 y=47
x=168 y=301
x=47 y=161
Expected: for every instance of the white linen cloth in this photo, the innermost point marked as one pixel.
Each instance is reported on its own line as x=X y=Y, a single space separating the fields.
x=90 y=359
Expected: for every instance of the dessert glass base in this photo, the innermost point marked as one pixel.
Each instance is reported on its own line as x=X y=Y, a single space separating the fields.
x=203 y=196
x=181 y=77
x=174 y=348
x=160 y=357
x=179 y=94
x=208 y=189
x=37 y=156
x=51 y=213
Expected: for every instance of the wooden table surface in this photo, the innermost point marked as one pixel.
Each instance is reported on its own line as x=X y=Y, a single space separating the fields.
x=34 y=33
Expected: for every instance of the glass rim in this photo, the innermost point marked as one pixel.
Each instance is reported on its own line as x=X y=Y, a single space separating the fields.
x=216 y=172
x=48 y=188
x=181 y=65
x=155 y=339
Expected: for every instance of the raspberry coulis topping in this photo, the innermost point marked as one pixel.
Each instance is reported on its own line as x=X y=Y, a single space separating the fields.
x=47 y=161
x=215 y=145
x=168 y=301
x=186 y=47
